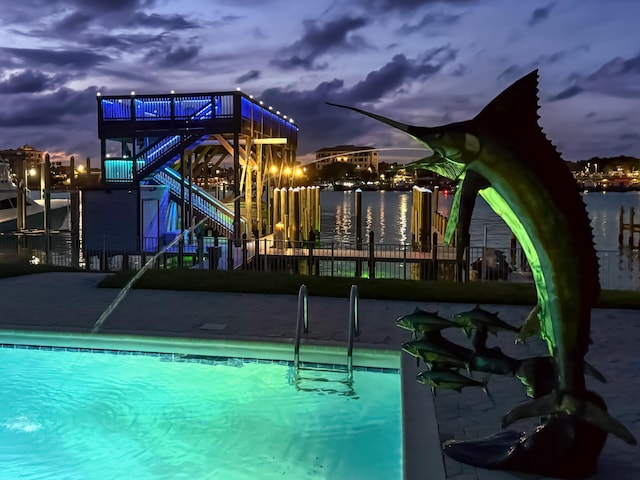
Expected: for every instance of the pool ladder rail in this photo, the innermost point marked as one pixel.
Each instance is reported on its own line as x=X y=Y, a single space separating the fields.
x=302 y=325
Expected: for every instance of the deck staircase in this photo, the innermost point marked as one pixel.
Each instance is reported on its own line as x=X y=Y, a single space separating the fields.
x=153 y=164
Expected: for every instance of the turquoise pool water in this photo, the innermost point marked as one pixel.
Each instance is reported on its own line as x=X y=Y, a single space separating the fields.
x=78 y=415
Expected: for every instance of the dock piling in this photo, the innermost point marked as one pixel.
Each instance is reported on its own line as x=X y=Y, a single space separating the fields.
x=631 y=227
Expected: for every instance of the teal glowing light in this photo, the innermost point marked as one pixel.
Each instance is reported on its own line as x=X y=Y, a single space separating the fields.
x=168 y=417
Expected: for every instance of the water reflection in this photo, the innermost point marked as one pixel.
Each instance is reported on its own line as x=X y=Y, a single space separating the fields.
x=388 y=216
x=368 y=223
x=342 y=228
x=381 y=220
x=401 y=219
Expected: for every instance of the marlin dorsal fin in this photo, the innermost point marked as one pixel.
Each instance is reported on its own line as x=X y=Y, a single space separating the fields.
x=516 y=107
x=513 y=116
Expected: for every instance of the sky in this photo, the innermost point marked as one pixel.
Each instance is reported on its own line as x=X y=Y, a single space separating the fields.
x=423 y=62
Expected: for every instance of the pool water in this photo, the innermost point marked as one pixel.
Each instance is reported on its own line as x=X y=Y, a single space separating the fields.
x=80 y=415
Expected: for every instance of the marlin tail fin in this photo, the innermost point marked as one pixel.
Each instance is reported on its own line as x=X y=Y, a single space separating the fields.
x=557 y=403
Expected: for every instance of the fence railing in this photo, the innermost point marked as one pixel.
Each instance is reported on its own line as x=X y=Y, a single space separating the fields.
x=619 y=269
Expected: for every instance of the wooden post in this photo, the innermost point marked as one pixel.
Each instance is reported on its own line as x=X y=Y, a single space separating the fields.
x=621 y=226
x=294 y=217
x=358 y=219
x=259 y=178
x=21 y=200
x=75 y=229
x=72 y=170
x=276 y=215
x=45 y=181
x=631 y=227
x=426 y=214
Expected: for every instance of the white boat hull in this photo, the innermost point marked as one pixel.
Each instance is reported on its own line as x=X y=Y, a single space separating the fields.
x=35 y=217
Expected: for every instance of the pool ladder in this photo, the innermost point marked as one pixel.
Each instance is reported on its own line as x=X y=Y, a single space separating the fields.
x=302 y=325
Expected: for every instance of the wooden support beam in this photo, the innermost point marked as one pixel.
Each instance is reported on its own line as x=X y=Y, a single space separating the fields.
x=259 y=175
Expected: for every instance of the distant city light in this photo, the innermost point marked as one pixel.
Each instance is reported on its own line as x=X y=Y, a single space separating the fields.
x=98 y=94
x=238 y=89
x=132 y=92
x=172 y=92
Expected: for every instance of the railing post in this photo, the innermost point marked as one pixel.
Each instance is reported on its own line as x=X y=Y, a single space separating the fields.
x=467 y=257
x=404 y=261
x=265 y=257
x=372 y=260
x=214 y=254
x=434 y=255
x=181 y=250
x=301 y=317
x=332 y=254
x=103 y=256
x=358 y=208
x=256 y=254
x=483 y=265
x=201 y=251
x=244 y=250
x=310 y=260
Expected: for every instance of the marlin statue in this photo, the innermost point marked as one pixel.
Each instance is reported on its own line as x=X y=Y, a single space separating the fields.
x=503 y=155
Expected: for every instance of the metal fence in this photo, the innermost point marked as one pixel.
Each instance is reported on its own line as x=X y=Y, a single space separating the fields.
x=619 y=269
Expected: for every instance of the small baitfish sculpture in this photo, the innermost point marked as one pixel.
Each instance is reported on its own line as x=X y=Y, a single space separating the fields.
x=503 y=155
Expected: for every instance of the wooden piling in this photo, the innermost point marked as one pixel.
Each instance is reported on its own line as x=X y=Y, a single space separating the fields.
x=75 y=228
x=421 y=219
x=631 y=227
x=358 y=208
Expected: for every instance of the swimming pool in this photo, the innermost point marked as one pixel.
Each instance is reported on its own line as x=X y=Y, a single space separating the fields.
x=72 y=413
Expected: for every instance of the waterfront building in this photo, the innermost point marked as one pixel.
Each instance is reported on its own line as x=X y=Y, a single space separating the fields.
x=33 y=158
x=363 y=157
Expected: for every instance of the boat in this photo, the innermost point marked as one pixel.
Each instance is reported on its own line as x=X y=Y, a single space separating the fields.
x=344 y=185
x=403 y=186
x=35 y=207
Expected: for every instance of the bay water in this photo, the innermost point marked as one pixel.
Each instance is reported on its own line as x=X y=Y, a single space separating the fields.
x=388 y=215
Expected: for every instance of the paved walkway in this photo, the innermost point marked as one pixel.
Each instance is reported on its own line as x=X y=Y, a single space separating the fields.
x=71 y=302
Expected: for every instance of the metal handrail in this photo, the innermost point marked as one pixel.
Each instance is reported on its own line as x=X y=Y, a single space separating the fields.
x=354 y=327
x=302 y=318
x=302 y=324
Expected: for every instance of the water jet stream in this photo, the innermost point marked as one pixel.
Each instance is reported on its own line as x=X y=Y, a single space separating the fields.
x=116 y=301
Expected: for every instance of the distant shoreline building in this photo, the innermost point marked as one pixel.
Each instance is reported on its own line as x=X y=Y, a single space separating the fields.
x=32 y=158
x=363 y=157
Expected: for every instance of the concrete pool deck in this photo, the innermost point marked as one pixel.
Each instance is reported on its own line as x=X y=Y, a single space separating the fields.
x=70 y=302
